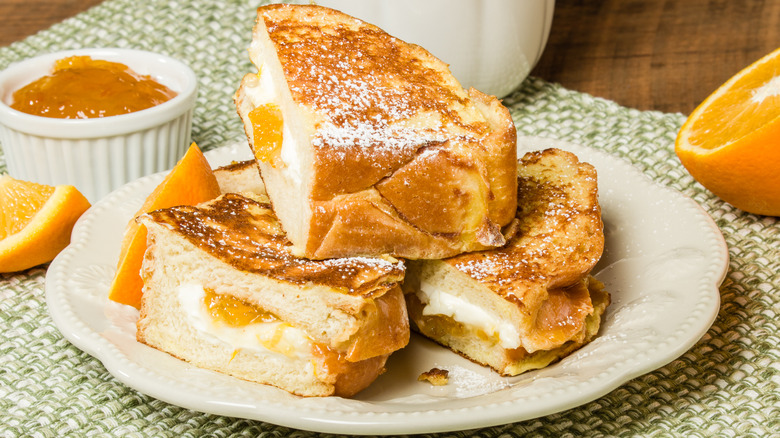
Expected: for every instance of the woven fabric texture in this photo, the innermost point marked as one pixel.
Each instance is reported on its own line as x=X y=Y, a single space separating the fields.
x=727 y=385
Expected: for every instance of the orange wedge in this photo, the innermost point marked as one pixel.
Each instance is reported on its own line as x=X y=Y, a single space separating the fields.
x=190 y=182
x=36 y=221
x=731 y=142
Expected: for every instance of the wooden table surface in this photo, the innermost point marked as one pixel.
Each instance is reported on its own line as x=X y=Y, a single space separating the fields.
x=665 y=55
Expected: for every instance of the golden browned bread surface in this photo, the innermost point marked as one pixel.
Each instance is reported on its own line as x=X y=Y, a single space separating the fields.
x=245 y=234
x=560 y=235
x=391 y=154
x=223 y=292
x=532 y=301
x=586 y=301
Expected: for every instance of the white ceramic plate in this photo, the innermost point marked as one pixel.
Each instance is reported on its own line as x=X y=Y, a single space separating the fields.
x=663 y=263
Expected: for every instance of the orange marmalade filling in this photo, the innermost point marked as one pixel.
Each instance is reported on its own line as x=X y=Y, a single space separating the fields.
x=234 y=312
x=267 y=131
x=82 y=88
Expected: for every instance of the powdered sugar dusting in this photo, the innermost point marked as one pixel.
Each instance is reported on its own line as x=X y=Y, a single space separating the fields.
x=245 y=233
x=383 y=264
x=468 y=383
x=360 y=114
x=373 y=136
x=362 y=82
x=560 y=231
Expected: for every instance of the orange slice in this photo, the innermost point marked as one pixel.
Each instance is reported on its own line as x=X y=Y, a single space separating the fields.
x=190 y=182
x=731 y=142
x=36 y=221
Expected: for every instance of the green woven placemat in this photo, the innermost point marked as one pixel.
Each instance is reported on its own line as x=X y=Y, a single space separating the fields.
x=728 y=384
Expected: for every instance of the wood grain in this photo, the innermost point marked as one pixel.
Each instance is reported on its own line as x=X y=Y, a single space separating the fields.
x=22 y=18
x=665 y=55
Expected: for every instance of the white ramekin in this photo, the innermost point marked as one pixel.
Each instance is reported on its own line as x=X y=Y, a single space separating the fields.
x=97 y=155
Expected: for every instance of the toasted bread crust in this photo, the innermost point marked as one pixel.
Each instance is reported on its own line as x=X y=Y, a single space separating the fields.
x=364 y=86
x=501 y=161
x=244 y=233
x=427 y=166
x=538 y=285
x=469 y=342
x=361 y=72
x=350 y=315
x=560 y=236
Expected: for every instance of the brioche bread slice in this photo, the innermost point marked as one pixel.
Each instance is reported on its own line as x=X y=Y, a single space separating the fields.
x=240 y=177
x=533 y=301
x=223 y=292
x=368 y=145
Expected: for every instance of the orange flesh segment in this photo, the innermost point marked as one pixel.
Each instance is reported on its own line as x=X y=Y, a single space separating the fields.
x=190 y=182
x=748 y=104
x=23 y=205
x=36 y=221
x=267 y=127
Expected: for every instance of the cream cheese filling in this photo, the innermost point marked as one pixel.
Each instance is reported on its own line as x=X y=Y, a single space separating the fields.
x=438 y=302
x=263 y=337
